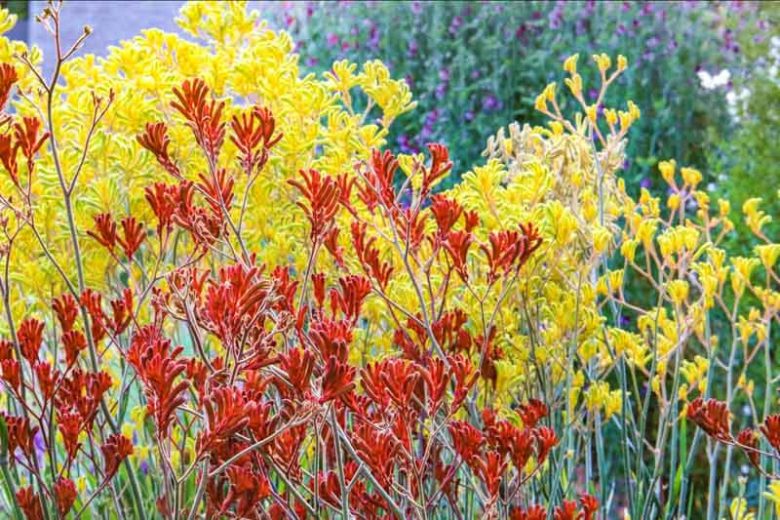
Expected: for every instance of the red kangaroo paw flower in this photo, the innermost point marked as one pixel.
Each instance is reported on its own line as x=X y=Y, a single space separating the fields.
x=66 y=309
x=134 y=236
x=532 y=513
x=748 y=441
x=65 y=495
x=155 y=139
x=29 y=503
x=590 y=506
x=712 y=416
x=546 y=440
x=11 y=373
x=115 y=450
x=771 y=431
x=105 y=231
x=8 y=78
x=446 y=212
x=337 y=380
x=28 y=140
x=457 y=244
x=30 y=336
x=203 y=115
x=322 y=194
x=532 y=412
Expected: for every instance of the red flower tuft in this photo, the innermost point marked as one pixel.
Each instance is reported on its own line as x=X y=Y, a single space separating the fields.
x=771 y=431
x=66 y=309
x=203 y=115
x=8 y=78
x=133 y=232
x=712 y=416
x=29 y=503
x=105 y=231
x=30 y=336
x=155 y=139
x=65 y=494
x=322 y=194
x=115 y=450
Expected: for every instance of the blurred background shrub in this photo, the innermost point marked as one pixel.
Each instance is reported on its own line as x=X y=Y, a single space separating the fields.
x=478 y=65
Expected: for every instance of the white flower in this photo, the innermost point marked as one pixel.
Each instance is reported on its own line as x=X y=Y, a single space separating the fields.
x=710 y=82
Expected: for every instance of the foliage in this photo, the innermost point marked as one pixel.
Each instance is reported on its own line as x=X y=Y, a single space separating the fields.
x=475 y=65
x=222 y=297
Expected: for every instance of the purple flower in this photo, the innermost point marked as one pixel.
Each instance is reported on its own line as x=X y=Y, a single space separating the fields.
x=490 y=103
x=441 y=90
x=311 y=61
x=593 y=94
x=475 y=74
x=332 y=39
x=444 y=74
x=416 y=8
x=646 y=183
x=455 y=24
x=469 y=115
x=413 y=49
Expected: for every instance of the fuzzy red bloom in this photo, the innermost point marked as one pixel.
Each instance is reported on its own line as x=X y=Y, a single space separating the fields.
x=337 y=380
x=465 y=378
x=11 y=373
x=331 y=338
x=73 y=342
x=378 y=180
x=532 y=412
x=252 y=133
x=69 y=425
x=590 y=506
x=28 y=140
x=467 y=441
x=133 y=232
x=446 y=212
x=203 y=115
x=8 y=78
x=160 y=198
x=348 y=299
x=566 y=511
x=228 y=412
x=46 y=377
x=6 y=350
x=712 y=416
x=29 y=503
x=299 y=365
x=30 y=336
x=155 y=139
x=20 y=435
x=748 y=441
x=66 y=309
x=546 y=440
x=457 y=245
x=8 y=152
x=247 y=489
x=92 y=301
x=490 y=469
x=115 y=450
x=440 y=166
x=105 y=231
x=532 y=513
x=322 y=194
x=65 y=494
x=771 y=431
x=378 y=450
x=436 y=379
x=158 y=367
x=368 y=255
